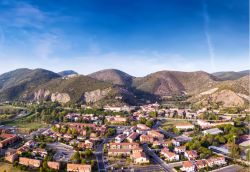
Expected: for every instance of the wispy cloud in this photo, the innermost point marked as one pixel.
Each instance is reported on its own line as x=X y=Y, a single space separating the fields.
x=22 y=14
x=208 y=36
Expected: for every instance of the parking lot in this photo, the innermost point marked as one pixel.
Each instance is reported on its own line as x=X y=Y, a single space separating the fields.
x=63 y=151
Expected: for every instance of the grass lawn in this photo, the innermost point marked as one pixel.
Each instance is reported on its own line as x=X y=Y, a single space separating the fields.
x=26 y=127
x=8 y=168
x=174 y=122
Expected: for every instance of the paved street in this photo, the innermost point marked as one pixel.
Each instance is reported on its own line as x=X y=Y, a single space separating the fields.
x=99 y=157
x=158 y=160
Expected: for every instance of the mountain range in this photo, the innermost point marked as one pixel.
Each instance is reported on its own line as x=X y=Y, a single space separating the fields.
x=114 y=87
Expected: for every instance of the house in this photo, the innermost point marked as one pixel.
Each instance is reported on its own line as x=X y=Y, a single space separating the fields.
x=201 y=164
x=53 y=165
x=78 y=168
x=30 y=162
x=155 y=134
x=157 y=143
x=146 y=139
x=119 y=152
x=176 y=142
x=182 y=139
x=132 y=137
x=120 y=138
x=88 y=144
x=191 y=155
x=212 y=131
x=116 y=119
x=127 y=132
x=184 y=126
x=67 y=136
x=188 y=166
x=180 y=149
x=216 y=161
x=139 y=158
x=170 y=156
x=142 y=127
x=204 y=124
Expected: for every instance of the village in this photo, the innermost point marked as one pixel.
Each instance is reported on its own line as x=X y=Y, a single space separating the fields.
x=145 y=138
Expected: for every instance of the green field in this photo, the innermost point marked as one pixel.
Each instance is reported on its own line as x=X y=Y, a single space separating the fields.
x=174 y=122
x=8 y=168
x=26 y=127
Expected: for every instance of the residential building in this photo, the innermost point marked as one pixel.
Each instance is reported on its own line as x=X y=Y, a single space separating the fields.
x=155 y=134
x=11 y=157
x=201 y=164
x=170 y=156
x=119 y=152
x=8 y=139
x=30 y=162
x=139 y=158
x=120 y=138
x=54 y=165
x=124 y=145
x=191 y=154
x=212 y=131
x=188 y=166
x=184 y=126
x=131 y=138
x=146 y=139
x=180 y=149
x=78 y=168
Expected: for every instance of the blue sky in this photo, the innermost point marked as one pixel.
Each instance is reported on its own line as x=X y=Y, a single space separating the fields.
x=136 y=36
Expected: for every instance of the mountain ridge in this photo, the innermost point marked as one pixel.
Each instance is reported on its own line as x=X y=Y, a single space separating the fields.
x=112 y=86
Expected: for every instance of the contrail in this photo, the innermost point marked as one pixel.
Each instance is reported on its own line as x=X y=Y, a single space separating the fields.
x=208 y=37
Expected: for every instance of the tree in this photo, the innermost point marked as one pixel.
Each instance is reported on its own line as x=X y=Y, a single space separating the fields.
x=153 y=114
x=176 y=131
x=76 y=157
x=149 y=123
x=235 y=151
x=248 y=155
x=143 y=120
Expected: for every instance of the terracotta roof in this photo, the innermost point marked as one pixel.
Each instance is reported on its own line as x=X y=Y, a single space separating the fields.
x=139 y=155
x=187 y=164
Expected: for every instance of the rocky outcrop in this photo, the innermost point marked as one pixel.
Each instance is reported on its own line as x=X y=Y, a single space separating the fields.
x=60 y=97
x=228 y=98
x=41 y=94
x=96 y=95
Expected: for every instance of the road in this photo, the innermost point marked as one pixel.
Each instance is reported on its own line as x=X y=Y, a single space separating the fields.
x=37 y=132
x=230 y=168
x=158 y=160
x=99 y=154
x=167 y=134
x=148 y=168
x=99 y=157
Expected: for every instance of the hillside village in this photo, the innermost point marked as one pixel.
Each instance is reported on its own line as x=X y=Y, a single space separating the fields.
x=145 y=137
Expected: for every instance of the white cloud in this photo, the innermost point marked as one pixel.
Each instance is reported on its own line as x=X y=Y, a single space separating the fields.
x=208 y=36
